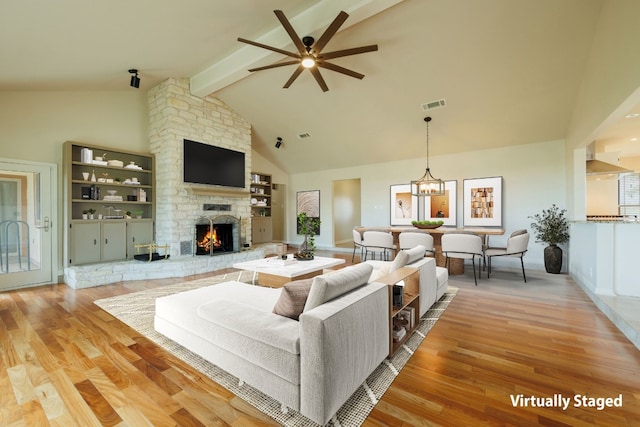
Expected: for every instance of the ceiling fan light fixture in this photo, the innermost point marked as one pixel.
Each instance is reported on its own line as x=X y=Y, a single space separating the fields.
x=308 y=62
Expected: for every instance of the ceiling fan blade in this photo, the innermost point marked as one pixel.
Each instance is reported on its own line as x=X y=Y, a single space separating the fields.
x=347 y=52
x=330 y=31
x=264 y=46
x=340 y=69
x=276 y=65
x=292 y=33
x=316 y=74
x=294 y=76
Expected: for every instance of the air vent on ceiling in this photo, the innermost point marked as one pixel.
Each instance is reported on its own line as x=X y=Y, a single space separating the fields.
x=434 y=104
x=304 y=135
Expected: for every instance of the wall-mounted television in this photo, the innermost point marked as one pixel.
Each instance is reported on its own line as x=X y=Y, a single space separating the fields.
x=208 y=164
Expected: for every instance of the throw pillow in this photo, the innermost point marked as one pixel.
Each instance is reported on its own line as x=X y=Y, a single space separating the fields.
x=293 y=298
x=416 y=253
x=329 y=286
x=399 y=261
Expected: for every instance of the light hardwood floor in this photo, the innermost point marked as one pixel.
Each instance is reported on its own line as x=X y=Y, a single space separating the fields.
x=65 y=362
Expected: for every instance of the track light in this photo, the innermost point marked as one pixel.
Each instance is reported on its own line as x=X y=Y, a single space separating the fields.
x=135 y=80
x=278 y=142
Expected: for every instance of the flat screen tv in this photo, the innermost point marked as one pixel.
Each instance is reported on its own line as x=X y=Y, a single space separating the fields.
x=207 y=164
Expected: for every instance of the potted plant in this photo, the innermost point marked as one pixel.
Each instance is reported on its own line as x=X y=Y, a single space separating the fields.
x=139 y=214
x=308 y=227
x=552 y=228
x=91 y=212
x=85 y=214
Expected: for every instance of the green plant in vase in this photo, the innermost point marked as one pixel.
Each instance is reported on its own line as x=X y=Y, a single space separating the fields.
x=551 y=227
x=307 y=226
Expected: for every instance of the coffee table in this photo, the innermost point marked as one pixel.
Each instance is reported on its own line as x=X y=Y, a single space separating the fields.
x=275 y=272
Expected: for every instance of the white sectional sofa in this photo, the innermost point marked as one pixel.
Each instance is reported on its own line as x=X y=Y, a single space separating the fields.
x=433 y=280
x=313 y=364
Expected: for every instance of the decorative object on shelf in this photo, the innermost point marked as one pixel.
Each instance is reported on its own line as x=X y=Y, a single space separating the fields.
x=551 y=227
x=443 y=207
x=483 y=202
x=85 y=214
x=93 y=176
x=427 y=185
x=426 y=224
x=308 y=226
x=404 y=205
x=91 y=212
x=85 y=176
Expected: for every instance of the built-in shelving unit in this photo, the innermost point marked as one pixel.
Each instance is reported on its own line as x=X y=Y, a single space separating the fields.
x=109 y=197
x=260 y=193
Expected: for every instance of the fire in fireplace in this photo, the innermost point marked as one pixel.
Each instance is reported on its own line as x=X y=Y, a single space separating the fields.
x=212 y=238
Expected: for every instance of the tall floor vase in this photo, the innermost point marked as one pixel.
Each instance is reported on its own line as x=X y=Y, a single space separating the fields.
x=553 y=259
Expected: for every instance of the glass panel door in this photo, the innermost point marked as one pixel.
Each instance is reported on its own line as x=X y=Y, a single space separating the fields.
x=26 y=233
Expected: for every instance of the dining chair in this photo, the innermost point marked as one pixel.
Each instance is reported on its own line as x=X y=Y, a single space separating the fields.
x=378 y=242
x=357 y=243
x=411 y=239
x=463 y=246
x=517 y=245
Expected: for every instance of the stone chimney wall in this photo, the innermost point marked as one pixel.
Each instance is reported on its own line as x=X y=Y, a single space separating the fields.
x=175 y=114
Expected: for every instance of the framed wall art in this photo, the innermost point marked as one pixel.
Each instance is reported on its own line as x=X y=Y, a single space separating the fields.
x=443 y=208
x=404 y=206
x=483 y=202
x=308 y=202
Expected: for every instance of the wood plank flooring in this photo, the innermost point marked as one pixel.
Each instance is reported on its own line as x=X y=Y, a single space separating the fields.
x=65 y=362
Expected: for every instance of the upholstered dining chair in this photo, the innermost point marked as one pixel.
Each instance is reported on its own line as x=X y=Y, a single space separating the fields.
x=378 y=242
x=464 y=246
x=411 y=239
x=517 y=245
x=357 y=243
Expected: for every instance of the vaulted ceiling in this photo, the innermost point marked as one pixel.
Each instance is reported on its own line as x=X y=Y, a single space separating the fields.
x=509 y=70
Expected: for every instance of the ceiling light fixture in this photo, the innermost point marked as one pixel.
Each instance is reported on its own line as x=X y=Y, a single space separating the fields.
x=427 y=185
x=135 y=80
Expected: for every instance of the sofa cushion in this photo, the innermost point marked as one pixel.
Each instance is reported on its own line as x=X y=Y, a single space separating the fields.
x=292 y=299
x=415 y=253
x=329 y=286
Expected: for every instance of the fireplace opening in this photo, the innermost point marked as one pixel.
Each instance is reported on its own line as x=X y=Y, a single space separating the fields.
x=215 y=238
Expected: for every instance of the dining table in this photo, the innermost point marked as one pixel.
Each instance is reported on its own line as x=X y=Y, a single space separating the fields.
x=456 y=265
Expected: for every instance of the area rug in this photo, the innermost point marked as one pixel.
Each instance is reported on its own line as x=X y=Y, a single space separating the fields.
x=138 y=309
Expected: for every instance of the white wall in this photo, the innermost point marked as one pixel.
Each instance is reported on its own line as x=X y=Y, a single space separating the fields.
x=34 y=126
x=533 y=179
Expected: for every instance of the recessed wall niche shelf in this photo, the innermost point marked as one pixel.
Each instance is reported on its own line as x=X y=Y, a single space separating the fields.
x=261 y=224
x=109 y=202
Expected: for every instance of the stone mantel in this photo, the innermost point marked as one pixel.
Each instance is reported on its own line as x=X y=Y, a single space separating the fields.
x=215 y=191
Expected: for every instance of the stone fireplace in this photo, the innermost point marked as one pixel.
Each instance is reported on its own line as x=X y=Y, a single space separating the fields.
x=175 y=115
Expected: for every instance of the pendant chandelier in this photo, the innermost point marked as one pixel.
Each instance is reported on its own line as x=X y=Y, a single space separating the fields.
x=427 y=185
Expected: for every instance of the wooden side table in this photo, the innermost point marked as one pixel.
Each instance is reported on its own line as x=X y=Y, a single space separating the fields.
x=411 y=303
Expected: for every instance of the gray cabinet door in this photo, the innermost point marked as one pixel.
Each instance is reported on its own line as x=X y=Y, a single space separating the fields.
x=138 y=232
x=85 y=243
x=114 y=241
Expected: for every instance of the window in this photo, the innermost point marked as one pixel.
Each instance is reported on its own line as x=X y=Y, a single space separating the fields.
x=629 y=194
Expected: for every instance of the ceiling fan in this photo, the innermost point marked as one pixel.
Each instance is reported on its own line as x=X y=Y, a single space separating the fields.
x=310 y=54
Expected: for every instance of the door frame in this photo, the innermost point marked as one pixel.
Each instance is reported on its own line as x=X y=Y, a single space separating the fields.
x=52 y=188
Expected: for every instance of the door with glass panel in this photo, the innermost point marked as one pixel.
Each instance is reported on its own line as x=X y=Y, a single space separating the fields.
x=27 y=237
